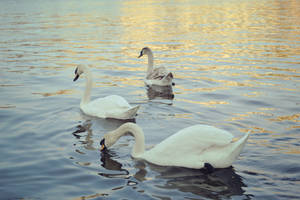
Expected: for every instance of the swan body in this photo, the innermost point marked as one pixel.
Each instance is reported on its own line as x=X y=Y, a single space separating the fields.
x=156 y=76
x=191 y=147
x=112 y=106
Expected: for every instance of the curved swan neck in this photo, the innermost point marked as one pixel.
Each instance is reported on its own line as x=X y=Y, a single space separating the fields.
x=89 y=82
x=137 y=133
x=150 y=61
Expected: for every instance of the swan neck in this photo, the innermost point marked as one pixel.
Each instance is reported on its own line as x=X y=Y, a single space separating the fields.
x=150 y=62
x=89 y=82
x=139 y=145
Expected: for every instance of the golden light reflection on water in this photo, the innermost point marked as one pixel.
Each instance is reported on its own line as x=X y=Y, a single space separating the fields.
x=208 y=103
x=242 y=116
x=293 y=118
x=195 y=90
x=128 y=81
x=293 y=127
x=292 y=151
x=105 y=84
x=59 y=92
x=183 y=115
x=272 y=75
x=281 y=148
x=199 y=18
x=267 y=108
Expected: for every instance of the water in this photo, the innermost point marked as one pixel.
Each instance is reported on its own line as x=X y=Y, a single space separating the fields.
x=236 y=66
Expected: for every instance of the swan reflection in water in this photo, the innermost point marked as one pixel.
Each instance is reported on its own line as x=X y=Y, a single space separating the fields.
x=84 y=132
x=160 y=92
x=218 y=184
x=87 y=141
x=114 y=167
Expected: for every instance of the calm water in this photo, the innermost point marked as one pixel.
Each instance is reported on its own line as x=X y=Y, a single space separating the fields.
x=236 y=66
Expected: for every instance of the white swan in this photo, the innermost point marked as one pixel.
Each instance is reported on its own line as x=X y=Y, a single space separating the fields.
x=192 y=147
x=156 y=76
x=112 y=106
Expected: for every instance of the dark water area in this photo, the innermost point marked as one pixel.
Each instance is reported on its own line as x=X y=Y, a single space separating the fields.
x=236 y=66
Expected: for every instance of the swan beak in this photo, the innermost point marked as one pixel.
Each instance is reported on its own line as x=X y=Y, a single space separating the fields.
x=140 y=55
x=102 y=147
x=76 y=77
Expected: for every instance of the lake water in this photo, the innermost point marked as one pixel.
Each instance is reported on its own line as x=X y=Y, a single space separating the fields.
x=236 y=66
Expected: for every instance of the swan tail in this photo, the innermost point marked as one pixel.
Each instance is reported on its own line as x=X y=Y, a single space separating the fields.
x=131 y=113
x=169 y=77
x=238 y=146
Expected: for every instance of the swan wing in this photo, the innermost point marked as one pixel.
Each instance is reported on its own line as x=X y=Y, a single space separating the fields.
x=159 y=76
x=109 y=106
x=185 y=147
x=109 y=102
x=157 y=73
x=123 y=113
x=203 y=135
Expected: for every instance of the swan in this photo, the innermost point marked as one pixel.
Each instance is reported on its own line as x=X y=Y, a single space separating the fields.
x=156 y=76
x=197 y=146
x=112 y=106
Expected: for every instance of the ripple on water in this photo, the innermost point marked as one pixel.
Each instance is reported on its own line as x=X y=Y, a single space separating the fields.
x=235 y=65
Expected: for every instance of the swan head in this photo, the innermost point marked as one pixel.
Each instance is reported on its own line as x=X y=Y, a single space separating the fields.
x=79 y=70
x=108 y=140
x=130 y=128
x=144 y=51
x=102 y=144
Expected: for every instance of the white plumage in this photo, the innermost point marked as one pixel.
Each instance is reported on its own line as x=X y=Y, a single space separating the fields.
x=112 y=106
x=190 y=147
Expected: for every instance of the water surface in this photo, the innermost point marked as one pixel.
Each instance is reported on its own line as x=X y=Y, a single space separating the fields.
x=236 y=67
